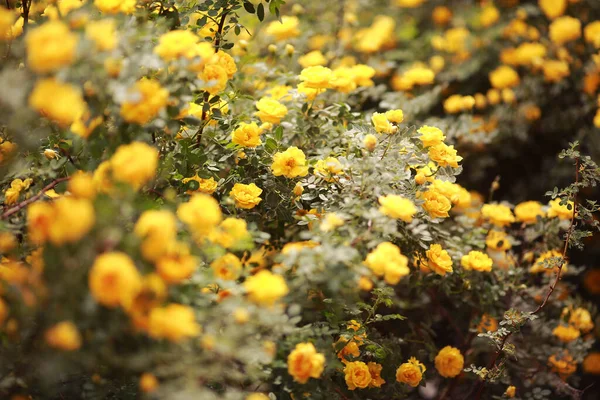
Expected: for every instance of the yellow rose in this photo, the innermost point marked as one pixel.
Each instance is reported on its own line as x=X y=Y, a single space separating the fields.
x=410 y=372
x=439 y=260
x=564 y=212
x=176 y=43
x=553 y=8
x=375 y=371
x=566 y=333
x=317 y=77
x=477 y=261
x=528 y=211
x=436 y=204
x=50 y=46
x=247 y=135
x=498 y=214
x=103 y=33
x=398 y=207
x=497 y=240
x=147 y=99
x=328 y=168
x=591 y=363
x=202 y=213
x=444 y=155
x=287 y=28
x=504 y=77
x=175 y=322
x=116 y=6
x=59 y=102
x=431 y=136
x=304 y=362
x=357 y=375
x=265 y=288
x=63 y=336
x=370 y=141
x=564 y=29
x=563 y=364
x=382 y=124
x=270 y=110
x=134 y=164
x=449 y=362
x=387 y=261
x=291 y=163
x=510 y=392
x=246 y=196
x=114 y=280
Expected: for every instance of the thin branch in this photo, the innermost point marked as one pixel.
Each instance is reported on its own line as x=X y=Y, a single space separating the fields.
x=219 y=33
x=30 y=200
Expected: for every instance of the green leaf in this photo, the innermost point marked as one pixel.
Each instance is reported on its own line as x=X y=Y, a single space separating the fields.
x=261 y=12
x=249 y=7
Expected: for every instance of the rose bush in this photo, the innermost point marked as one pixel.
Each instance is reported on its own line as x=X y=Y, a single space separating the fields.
x=251 y=199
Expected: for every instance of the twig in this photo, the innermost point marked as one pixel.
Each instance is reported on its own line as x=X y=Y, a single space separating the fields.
x=492 y=364
x=30 y=200
x=219 y=33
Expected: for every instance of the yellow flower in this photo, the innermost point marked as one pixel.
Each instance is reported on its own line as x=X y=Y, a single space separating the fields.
x=566 y=333
x=487 y=323
x=439 y=260
x=498 y=214
x=331 y=222
x=477 y=261
x=3 y=312
x=175 y=322
x=317 y=77
x=549 y=258
x=504 y=77
x=116 y=6
x=528 y=211
x=410 y=372
x=50 y=46
x=497 y=240
x=246 y=196
x=382 y=124
x=409 y=3
x=287 y=28
x=357 y=375
x=375 y=371
x=555 y=70
x=564 y=212
x=581 y=319
x=257 y=396
x=591 y=363
x=312 y=59
x=7 y=19
x=265 y=288
x=329 y=168
x=146 y=99
x=398 y=207
x=564 y=29
x=553 y=8
x=227 y=267
x=230 y=232
x=444 y=155
x=489 y=16
x=8 y=241
x=176 y=43
x=510 y=392
x=176 y=264
x=134 y=164
x=395 y=116
x=114 y=280
x=370 y=141
x=563 y=364
x=148 y=383
x=436 y=204
x=215 y=78
x=449 y=362
x=202 y=213
x=81 y=185
x=270 y=110
x=431 y=136
x=59 y=102
x=304 y=363
x=591 y=33
x=387 y=261
x=247 y=135
x=83 y=125
x=63 y=336
x=207 y=186
x=350 y=349
x=280 y=92
x=291 y=163
x=103 y=33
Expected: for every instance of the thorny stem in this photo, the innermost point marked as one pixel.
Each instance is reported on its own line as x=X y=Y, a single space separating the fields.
x=552 y=287
x=220 y=30
x=30 y=200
